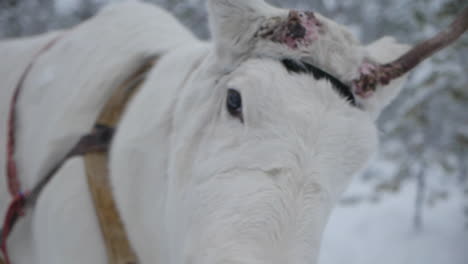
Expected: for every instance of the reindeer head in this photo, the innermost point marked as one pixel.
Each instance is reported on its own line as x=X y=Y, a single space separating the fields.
x=250 y=151
x=375 y=72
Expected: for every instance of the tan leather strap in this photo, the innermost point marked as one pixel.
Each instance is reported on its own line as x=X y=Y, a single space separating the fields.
x=119 y=250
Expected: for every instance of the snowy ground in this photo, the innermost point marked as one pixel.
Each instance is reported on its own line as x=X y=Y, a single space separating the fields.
x=382 y=232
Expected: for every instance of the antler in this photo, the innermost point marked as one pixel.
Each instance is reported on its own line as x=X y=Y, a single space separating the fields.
x=383 y=74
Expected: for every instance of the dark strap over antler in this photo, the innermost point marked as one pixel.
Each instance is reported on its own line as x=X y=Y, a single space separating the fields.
x=383 y=74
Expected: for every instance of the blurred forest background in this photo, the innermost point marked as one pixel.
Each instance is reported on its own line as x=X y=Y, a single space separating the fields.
x=422 y=167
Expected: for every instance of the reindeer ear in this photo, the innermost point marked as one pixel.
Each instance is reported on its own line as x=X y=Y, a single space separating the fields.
x=384 y=50
x=234 y=23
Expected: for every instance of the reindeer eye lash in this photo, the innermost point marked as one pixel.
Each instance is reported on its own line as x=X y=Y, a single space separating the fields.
x=234 y=103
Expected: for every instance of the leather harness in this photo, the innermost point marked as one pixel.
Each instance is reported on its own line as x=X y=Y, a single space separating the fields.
x=94 y=149
x=118 y=247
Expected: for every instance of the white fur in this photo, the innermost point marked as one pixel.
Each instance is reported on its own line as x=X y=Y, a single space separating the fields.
x=192 y=183
x=60 y=100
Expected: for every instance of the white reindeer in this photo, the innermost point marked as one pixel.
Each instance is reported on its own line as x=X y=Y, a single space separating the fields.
x=233 y=151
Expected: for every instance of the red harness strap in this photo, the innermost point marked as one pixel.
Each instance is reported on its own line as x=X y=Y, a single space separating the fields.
x=17 y=206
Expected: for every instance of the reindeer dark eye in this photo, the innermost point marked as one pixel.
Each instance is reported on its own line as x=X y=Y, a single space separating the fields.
x=234 y=103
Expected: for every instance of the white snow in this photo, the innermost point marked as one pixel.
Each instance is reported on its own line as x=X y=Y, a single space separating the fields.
x=382 y=232
x=67 y=6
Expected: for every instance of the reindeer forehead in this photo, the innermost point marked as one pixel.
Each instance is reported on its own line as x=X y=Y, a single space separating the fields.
x=312 y=38
x=246 y=29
